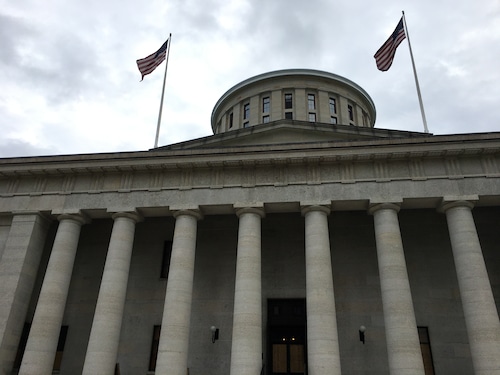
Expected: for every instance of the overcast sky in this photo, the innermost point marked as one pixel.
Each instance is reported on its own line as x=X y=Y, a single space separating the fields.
x=70 y=83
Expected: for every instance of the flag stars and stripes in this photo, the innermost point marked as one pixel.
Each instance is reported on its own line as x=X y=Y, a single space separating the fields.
x=151 y=62
x=385 y=55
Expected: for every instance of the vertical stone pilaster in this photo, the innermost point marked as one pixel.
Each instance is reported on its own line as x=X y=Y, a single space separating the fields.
x=41 y=347
x=105 y=333
x=18 y=269
x=174 y=336
x=322 y=336
x=246 y=350
x=403 y=344
x=480 y=312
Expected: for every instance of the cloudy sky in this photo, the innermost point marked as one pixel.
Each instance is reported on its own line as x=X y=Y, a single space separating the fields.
x=70 y=83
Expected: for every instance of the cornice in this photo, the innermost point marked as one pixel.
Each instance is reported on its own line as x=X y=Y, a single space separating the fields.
x=450 y=146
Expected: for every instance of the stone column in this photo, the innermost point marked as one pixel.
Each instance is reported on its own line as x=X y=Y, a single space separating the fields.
x=105 y=333
x=480 y=312
x=18 y=270
x=322 y=337
x=174 y=336
x=403 y=344
x=41 y=347
x=246 y=350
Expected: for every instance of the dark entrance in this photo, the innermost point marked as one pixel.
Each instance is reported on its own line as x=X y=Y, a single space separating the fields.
x=286 y=336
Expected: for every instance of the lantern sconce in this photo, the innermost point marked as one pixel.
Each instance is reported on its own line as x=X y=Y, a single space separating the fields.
x=362 y=330
x=215 y=333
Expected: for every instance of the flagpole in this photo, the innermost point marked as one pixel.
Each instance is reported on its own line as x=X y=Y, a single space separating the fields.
x=162 y=92
x=416 y=78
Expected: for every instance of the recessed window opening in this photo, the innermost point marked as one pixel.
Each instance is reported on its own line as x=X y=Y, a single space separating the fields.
x=311 y=102
x=266 y=104
x=425 y=346
x=155 y=343
x=333 y=105
x=60 y=348
x=288 y=101
x=246 y=111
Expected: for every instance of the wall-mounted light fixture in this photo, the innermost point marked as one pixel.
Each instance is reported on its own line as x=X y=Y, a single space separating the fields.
x=215 y=333
x=362 y=330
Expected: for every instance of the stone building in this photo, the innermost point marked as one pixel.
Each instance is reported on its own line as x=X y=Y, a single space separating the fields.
x=298 y=239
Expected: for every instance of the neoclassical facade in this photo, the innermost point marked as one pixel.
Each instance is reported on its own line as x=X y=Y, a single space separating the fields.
x=298 y=239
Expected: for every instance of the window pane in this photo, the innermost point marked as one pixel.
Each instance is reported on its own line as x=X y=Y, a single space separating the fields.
x=351 y=112
x=333 y=105
x=265 y=119
x=266 y=102
x=333 y=120
x=288 y=101
x=246 y=111
x=289 y=115
x=311 y=102
x=312 y=117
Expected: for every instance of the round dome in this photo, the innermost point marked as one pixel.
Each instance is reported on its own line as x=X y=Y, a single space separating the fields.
x=293 y=94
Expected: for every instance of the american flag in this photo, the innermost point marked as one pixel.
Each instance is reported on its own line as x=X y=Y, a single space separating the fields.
x=385 y=54
x=148 y=64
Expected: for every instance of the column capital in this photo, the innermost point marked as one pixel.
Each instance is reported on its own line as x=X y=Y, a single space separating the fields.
x=259 y=210
x=79 y=217
x=457 y=201
x=306 y=207
x=374 y=207
x=238 y=205
x=195 y=212
x=133 y=215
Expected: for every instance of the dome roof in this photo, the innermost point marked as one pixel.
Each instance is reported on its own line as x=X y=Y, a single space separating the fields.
x=318 y=96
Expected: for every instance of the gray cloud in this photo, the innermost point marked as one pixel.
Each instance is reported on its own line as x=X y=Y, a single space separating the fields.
x=12 y=148
x=70 y=82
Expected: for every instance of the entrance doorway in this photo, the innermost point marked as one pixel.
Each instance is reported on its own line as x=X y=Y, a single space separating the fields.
x=286 y=337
